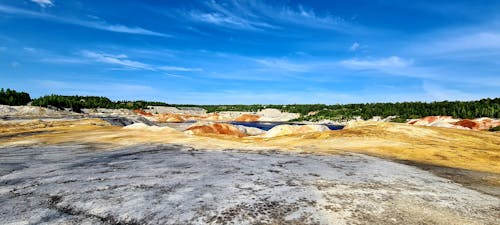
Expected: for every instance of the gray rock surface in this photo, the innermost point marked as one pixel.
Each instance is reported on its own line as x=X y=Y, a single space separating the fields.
x=178 y=185
x=109 y=112
x=275 y=115
x=125 y=121
x=195 y=111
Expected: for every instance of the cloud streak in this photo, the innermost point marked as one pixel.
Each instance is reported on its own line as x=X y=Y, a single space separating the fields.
x=282 y=65
x=377 y=64
x=258 y=15
x=120 y=60
x=44 y=3
x=99 y=25
x=438 y=93
x=124 y=61
x=180 y=69
x=479 y=41
x=354 y=47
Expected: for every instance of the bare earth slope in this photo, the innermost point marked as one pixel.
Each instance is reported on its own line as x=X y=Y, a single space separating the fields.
x=473 y=150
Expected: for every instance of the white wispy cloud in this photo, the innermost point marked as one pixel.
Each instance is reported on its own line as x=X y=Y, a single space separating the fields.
x=478 y=41
x=355 y=46
x=44 y=3
x=116 y=60
x=218 y=19
x=29 y=49
x=303 y=16
x=260 y=15
x=64 y=60
x=378 y=64
x=96 y=24
x=181 y=69
x=391 y=66
x=175 y=75
x=396 y=66
x=436 y=92
x=282 y=65
x=125 y=62
x=227 y=20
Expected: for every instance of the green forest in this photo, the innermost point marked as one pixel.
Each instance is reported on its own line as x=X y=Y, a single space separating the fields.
x=404 y=110
x=90 y=102
x=410 y=110
x=311 y=112
x=11 y=97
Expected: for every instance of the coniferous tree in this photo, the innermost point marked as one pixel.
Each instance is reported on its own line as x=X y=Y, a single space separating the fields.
x=12 y=97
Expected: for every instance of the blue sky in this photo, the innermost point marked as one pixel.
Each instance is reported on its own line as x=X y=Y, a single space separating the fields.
x=253 y=51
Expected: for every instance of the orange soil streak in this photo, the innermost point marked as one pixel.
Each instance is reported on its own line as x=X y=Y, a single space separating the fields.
x=142 y=112
x=247 y=118
x=217 y=128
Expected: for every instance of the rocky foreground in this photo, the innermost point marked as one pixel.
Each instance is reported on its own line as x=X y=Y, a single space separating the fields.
x=171 y=184
x=122 y=168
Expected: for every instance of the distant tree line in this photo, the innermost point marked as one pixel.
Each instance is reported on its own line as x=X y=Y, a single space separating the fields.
x=411 y=110
x=403 y=110
x=79 y=102
x=312 y=112
x=11 y=97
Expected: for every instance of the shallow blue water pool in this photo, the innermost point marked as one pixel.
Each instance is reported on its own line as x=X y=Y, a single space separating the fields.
x=268 y=125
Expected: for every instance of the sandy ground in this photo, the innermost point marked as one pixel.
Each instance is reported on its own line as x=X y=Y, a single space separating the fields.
x=461 y=149
x=171 y=184
x=87 y=171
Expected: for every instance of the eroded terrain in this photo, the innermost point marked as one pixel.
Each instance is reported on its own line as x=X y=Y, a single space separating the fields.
x=87 y=171
x=172 y=184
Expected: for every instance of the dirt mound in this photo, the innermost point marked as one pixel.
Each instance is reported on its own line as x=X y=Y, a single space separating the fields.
x=142 y=112
x=281 y=130
x=467 y=123
x=212 y=117
x=276 y=115
x=103 y=112
x=125 y=121
x=32 y=111
x=142 y=126
x=174 y=110
x=250 y=131
x=170 y=118
x=216 y=128
x=247 y=118
x=487 y=123
x=449 y=122
x=428 y=120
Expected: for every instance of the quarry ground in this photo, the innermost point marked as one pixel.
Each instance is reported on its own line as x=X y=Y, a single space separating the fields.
x=88 y=172
x=172 y=184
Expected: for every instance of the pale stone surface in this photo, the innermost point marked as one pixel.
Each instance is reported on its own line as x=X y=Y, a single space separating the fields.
x=251 y=131
x=31 y=111
x=275 y=115
x=147 y=128
x=195 y=111
x=168 y=184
